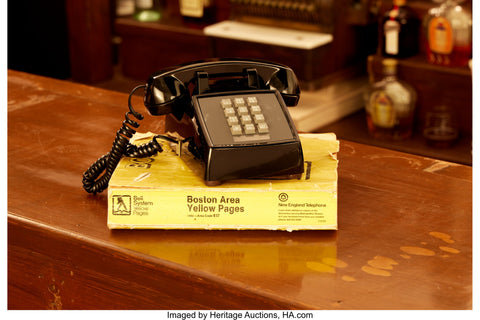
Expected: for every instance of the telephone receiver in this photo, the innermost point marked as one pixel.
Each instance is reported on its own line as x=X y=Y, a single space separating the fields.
x=238 y=111
x=168 y=91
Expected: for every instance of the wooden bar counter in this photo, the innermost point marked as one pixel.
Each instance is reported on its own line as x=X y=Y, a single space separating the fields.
x=404 y=238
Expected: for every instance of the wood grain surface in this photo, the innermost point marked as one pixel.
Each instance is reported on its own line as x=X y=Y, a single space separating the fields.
x=404 y=238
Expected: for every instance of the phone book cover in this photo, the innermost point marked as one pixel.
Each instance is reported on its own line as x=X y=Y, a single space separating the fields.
x=167 y=191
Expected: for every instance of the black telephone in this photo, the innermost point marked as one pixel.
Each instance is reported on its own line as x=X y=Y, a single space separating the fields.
x=242 y=127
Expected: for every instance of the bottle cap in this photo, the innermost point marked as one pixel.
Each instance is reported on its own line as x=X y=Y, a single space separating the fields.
x=389 y=66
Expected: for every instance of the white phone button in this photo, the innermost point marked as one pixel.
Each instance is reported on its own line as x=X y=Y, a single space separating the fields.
x=229 y=112
x=249 y=129
x=232 y=120
x=226 y=103
x=246 y=119
x=242 y=111
x=239 y=102
x=255 y=109
x=251 y=101
x=262 y=127
x=236 y=130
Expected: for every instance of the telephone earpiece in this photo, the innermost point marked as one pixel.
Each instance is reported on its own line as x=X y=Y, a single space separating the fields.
x=285 y=82
x=164 y=95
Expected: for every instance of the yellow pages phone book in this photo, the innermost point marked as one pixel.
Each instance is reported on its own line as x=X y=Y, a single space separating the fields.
x=168 y=192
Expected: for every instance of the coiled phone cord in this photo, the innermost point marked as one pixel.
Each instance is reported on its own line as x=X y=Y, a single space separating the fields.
x=93 y=180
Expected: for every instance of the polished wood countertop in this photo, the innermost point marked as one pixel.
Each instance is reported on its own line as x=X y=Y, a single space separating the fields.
x=404 y=238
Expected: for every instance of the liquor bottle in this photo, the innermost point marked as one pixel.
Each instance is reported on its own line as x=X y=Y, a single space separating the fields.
x=448 y=30
x=147 y=10
x=198 y=11
x=390 y=105
x=400 y=31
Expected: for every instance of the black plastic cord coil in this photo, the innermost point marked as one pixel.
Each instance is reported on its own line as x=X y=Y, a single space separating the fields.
x=93 y=179
x=143 y=151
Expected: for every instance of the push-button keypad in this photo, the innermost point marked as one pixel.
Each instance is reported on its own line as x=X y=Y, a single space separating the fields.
x=244 y=116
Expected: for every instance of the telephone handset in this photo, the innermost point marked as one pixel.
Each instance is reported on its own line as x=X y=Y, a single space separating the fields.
x=238 y=109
